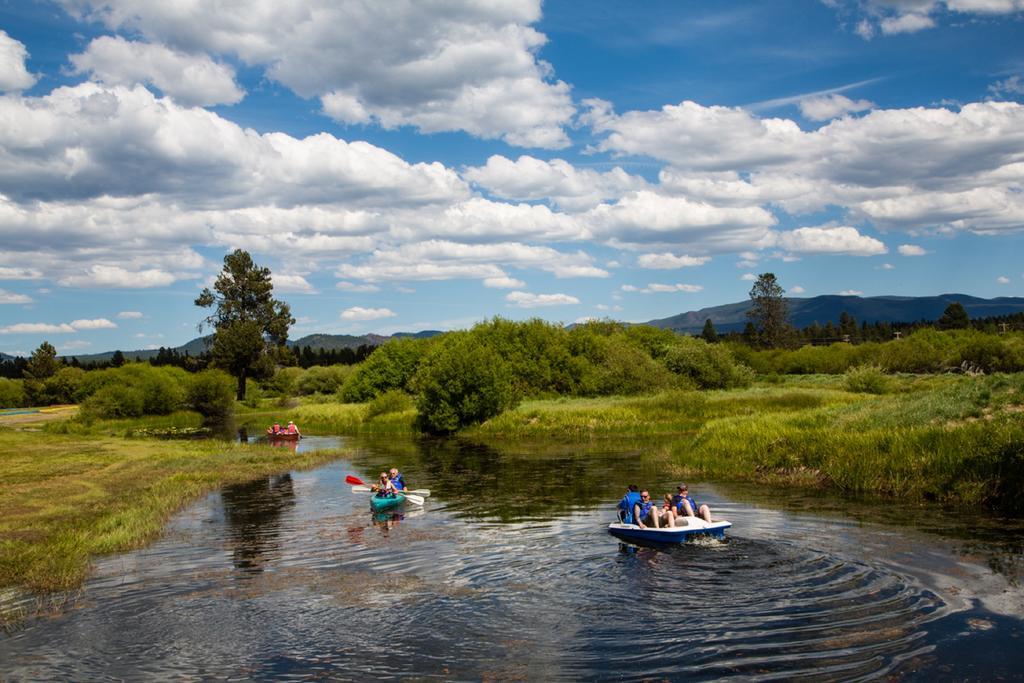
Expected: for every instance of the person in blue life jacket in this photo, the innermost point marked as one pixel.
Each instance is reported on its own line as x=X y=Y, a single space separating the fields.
x=684 y=506
x=397 y=480
x=650 y=512
x=626 y=507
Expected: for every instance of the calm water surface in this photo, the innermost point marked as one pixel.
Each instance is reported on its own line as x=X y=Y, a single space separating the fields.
x=508 y=573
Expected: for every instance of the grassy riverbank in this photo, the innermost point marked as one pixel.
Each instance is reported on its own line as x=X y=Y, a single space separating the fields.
x=65 y=498
x=955 y=440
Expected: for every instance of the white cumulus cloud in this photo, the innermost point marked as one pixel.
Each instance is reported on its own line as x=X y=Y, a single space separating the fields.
x=911 y=250
x=291 y=284
x=13 y=74
x=529 y=300
x=119 y=278
x=189 y=79
x=670 y=261
x=130 y=315
x=357 y=313
x=13 y=298
x=825 y=107
x=830 y=240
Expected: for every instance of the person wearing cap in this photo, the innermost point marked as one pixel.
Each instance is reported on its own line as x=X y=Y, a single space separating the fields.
x=292 y=429
x=684 y=506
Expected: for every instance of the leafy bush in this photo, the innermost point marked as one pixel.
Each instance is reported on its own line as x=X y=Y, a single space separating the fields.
x=709 y=366
x=62 y=386
x=462 y=382
x=211 y=393
x=866 y=379
x=132 y=390
x=323 y=380
x=115 y=400
x=394 y=401
x=535 y=351
x=615 y=366
x=390 y=366
x=284 y=382
x=12 y=393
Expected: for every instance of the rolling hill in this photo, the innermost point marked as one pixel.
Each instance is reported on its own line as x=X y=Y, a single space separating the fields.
x=821 y=309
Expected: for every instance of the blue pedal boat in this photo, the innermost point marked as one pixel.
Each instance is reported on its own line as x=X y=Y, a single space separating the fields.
x=695 y=527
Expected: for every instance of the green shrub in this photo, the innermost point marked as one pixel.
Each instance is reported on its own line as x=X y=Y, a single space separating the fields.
x=115 y=400
x=211 y=393
x=614 y=365
x=390 y=366
x=323 y=380
x=462 y=382
x=12 y=393
x=285 y=382
x=536 y=352
x=709 y=366
x=394 y=401
x=866 y=379
x=132 y=390
x=63 y=385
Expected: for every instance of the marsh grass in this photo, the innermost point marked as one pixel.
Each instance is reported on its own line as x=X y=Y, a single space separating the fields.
x=66 y=498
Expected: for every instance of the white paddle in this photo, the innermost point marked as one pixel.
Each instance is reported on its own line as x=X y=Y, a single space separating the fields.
x=366 y=489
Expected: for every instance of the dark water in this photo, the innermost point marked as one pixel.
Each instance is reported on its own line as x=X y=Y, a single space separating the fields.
x=507 y=573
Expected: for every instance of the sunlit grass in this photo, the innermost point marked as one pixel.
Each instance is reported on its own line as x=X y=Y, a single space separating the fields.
x=67 y=498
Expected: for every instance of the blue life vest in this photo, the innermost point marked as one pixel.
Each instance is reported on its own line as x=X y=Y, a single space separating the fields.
x=398 y=481
x=626 y=507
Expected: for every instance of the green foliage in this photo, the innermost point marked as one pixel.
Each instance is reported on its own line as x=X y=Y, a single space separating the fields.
x=708 y=366
x=866 y=379
x=393 y=401
x=769 y=310
x=391 y=366
x=61 y=388
x=616 y=365
x=12 y=393
x=324 y=380
x=43 y=363
x=954 y=318
x=284 y=382
x=211 y=394
x=709 y=334
x=462 y=382
x=250 y=325
x=535 y=351
x=132 y=390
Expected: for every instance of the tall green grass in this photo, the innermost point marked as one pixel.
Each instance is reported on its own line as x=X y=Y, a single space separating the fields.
x=67 y=498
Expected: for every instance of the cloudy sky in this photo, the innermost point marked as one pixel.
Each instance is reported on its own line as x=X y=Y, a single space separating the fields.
x=423 y=164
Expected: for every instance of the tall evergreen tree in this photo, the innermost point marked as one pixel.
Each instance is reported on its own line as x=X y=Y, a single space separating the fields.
x=769 y=310
x=954 y=318
x=250 y=325
x=709 y=334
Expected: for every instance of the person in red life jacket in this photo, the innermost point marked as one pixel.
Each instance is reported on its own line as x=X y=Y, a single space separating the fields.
x=649 y=511
x=292 y=429
x=685 y=506
x=397 y=479
x=276 y=429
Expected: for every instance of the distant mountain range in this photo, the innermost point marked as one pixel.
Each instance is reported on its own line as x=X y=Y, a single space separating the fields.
x=328 y=342
x=822 y=309
x=726 y=318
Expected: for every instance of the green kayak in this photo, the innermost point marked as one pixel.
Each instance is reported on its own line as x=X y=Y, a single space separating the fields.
x=378 y=503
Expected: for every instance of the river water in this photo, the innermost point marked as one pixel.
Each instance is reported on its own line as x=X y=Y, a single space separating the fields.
x=508 y=573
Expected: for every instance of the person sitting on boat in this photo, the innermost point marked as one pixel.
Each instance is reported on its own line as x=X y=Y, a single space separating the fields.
x=649 y=511
x=628 y=503
x=685 y=506
x=292 y=429
x=276 y=429
x=384 y=487
x=397 y=479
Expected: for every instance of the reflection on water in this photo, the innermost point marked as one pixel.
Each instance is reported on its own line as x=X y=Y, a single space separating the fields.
x=508 y=573
x=253 y=513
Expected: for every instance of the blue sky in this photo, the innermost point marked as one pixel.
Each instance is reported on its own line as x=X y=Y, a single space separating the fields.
x=424 y=165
